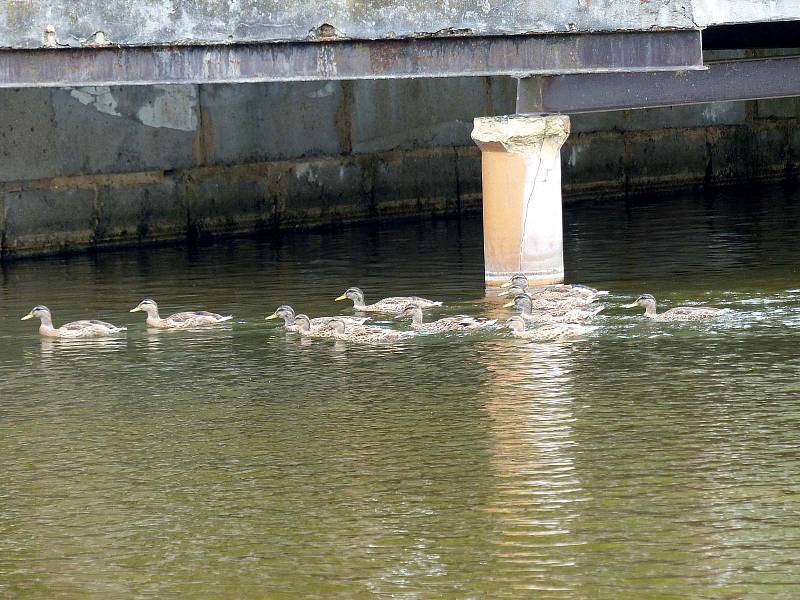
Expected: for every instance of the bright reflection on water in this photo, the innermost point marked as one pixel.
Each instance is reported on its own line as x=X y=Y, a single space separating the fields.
x=646 y=461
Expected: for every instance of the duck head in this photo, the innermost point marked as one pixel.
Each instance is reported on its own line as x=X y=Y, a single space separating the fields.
x=285 y=312
x=516 y=323
x=646 y=300
x=518 y=281
x=148 y=306
x=40 y=312
x=522 y=302
x=355 y=294
x=412 y=311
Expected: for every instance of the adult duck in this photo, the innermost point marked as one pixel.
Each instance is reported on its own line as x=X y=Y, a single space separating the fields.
x=181 y=320
x=679 y=313
x=391 y=305
x=76 y=329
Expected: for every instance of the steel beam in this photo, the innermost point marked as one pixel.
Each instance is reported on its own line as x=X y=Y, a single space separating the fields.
x=353 y=59
x=744 y=79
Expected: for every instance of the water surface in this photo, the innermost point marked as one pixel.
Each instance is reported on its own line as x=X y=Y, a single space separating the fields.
x=649 y=460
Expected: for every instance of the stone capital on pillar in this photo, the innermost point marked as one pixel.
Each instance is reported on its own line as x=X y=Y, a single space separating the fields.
x=521 y=169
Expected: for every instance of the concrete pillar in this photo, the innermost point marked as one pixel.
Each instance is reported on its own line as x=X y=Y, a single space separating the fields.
x=521 y=166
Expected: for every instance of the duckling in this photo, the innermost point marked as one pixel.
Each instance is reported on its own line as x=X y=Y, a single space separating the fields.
x=393 y=304
x=546 y=333
x=339 y=330
x=76 y=329
x=181 y=320
x=545 y=298
x=524 y=304
x=286 y=313
x=520 y=282
x=364 y=334
x=302 y=324
x=547 y=301
x=679 y=313
x=459 y=323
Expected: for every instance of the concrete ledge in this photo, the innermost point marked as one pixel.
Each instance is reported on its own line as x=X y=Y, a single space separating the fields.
x=93 y=211
x=74 y=213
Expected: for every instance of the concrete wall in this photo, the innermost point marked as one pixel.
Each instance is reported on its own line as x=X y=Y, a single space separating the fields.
x=92 y=167
x=147 y=22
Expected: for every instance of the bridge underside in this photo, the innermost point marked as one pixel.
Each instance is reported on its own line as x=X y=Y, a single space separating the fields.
x=556 y=72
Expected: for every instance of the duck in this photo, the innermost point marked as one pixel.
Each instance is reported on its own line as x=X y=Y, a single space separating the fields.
x=679 y=313
x=393 y=304
x=546 y=333
x=458 y=323
x=302 y=325
x=524 y=304
x=546 y=299
x=520 y=282
x=181 y=320
x=76 y=329
x=287 y=313
x=339 y=330
x=527 y=303
x=365 y=334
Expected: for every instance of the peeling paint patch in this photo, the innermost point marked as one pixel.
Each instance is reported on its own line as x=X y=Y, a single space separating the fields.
x=175 y=108
x=98 y=96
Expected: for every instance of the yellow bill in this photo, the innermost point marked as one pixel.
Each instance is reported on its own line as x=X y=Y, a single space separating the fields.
x=137 y=309
x=507 y=284
x=26 y=317
x=342 y=297
x=272 y=316
x=508 y=304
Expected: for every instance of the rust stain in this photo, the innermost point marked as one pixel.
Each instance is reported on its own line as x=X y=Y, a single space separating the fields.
x=343 y=119
x=203 y=142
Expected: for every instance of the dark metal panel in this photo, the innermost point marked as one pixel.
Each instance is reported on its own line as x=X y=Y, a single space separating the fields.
x=352 y=59
x=745 y=79
x=780 y=34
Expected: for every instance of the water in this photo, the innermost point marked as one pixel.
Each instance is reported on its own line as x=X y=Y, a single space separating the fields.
x=649 y=460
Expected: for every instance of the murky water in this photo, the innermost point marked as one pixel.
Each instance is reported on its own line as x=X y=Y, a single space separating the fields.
x=646 y=461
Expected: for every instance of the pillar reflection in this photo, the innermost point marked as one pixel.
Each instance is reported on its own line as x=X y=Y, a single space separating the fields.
x=538 y=495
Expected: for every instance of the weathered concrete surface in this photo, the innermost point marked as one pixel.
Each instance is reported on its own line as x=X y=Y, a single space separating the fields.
x=23 y=22
x=83 y=168
x=521 y=174
x=721 y=12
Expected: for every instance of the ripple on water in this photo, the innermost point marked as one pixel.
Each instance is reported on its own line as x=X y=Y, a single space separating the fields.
x=646 y=460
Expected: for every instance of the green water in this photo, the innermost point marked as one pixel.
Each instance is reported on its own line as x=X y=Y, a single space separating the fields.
x=648 y=461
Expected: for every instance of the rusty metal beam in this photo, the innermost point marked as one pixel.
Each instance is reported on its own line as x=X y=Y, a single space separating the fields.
x=353 y=59
x=743 y=79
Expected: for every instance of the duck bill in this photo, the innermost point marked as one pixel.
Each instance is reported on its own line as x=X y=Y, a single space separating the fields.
x=137 y=309
x=26 y=317
x=272 y=316
x=507 y=284
x=508 y=304
x=634 y=305
x=506 y=293
x=342 y=297
x=400 y=316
